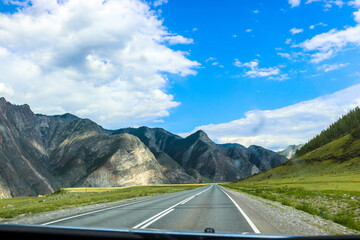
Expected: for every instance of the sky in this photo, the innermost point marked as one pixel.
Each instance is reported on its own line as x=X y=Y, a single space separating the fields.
x=268 y=73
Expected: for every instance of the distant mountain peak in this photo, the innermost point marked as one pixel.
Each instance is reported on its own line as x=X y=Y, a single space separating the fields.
x=200 y=135
x=7 y=107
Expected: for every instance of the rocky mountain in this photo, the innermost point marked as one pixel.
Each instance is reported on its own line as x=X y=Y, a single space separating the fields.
x=290 y=151
x=39 y=154
x=205 y=160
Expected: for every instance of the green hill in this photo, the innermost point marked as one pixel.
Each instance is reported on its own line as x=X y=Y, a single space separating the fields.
x=334 y=166
x=323 y=179
x=345 y=125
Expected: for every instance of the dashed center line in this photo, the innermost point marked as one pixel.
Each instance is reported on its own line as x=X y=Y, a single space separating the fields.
x=158 y=216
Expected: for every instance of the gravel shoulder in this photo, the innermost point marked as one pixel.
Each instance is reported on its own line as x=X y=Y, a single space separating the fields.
x=272 y=217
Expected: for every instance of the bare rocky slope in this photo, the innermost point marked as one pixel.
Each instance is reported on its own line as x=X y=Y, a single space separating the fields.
x=290 y=151
x=203 y=159
x=39 y=154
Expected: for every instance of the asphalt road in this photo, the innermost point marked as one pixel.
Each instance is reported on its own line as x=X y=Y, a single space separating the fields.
x=193 y=210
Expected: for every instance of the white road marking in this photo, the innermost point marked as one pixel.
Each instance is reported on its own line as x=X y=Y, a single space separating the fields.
x=154 y=220
x=188 y=199
x=252 y=225
x=123 y=205
x=156 y=217
x=96 y=211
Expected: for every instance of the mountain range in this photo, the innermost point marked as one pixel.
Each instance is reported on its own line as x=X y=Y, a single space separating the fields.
x=40 y=154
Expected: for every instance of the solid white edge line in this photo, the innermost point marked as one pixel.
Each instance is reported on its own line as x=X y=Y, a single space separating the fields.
x=95 y=211
x=252 y=225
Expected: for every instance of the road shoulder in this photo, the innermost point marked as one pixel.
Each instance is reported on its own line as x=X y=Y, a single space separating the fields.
x=274 y=218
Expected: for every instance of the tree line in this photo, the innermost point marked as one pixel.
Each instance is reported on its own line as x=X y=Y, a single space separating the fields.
x=349 y=123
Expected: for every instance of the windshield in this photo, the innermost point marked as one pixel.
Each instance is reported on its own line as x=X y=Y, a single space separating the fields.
x=177 y=115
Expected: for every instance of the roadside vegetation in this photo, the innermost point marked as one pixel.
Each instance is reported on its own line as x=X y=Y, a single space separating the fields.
x=75 y=197
x=323 y=179
x=339 y=206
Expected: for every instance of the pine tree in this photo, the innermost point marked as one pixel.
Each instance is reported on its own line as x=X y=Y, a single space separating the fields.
x=349 y=123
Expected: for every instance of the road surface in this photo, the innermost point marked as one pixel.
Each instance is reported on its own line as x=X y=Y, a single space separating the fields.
x=193 y=210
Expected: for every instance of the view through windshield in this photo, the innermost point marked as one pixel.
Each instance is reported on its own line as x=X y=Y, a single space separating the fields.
x=177 y=115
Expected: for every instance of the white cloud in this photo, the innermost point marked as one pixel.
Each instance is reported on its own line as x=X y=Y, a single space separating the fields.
x=285 y=55
x=6 y=90
x=159 y=2
x=210 y=59
x=310 y=1
x=294 y=124
x=158 y=121
x=177 y=39
x=327 y=4
x=326 y=45
x=318 y=24
x=355 y=3
x=339 y=3
x=213 y=61
x=296 y=31
x=332 y=67
x=294 y=56
x=357 y=16
x=294 y=3
x=248 y=30
x=254 y=71
x=104 y=60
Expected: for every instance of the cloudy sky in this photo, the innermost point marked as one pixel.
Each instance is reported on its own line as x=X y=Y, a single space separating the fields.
x=269 y=73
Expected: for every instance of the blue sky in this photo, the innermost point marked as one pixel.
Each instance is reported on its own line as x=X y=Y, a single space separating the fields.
x=218 y=94
x=270 y=73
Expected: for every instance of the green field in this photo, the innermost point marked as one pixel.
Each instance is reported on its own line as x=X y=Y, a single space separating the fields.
x=323 y=182
x=75 y=197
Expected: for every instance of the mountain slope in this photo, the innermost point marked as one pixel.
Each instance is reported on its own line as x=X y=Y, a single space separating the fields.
x=39 y=154
x=345 y=125
x=203 y=159
x=290 y=151
x=332 y=166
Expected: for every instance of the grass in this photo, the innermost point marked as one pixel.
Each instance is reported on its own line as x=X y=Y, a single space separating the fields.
x=324 y=182
x=75 y=197
x=342 y=207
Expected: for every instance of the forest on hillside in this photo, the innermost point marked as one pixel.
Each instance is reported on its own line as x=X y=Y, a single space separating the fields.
x=349 y=123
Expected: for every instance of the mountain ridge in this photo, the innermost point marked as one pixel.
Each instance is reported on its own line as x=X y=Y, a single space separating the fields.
x=40 y=153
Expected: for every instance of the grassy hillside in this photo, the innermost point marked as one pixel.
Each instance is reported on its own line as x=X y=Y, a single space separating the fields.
x=335 y=166
x=323 y=182
x=346 y=124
